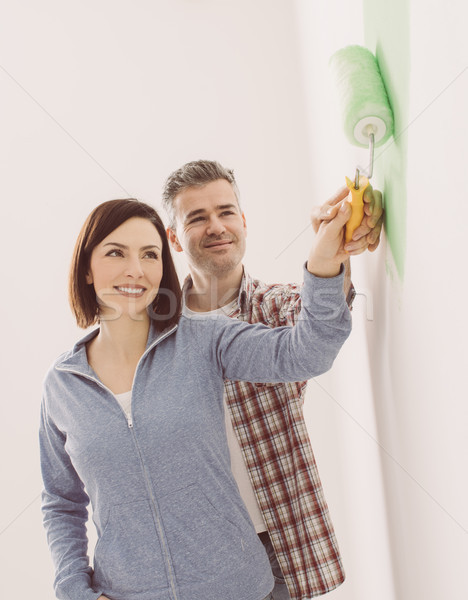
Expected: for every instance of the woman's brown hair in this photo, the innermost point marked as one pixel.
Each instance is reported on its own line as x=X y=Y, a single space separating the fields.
x=104 y=219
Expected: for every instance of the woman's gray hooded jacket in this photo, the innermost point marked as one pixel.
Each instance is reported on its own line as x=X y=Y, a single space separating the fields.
x=170 y=521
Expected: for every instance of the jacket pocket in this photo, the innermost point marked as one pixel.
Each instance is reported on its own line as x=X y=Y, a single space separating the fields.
x=128 y=558
x=204 y=540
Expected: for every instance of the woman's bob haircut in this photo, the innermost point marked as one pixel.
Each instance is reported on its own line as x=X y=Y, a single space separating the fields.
x=104 y=219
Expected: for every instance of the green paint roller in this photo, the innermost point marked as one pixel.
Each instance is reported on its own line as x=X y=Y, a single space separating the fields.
x=367 y=116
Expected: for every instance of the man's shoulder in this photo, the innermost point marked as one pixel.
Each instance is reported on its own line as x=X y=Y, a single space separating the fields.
x=270 y=302
x=258 y=290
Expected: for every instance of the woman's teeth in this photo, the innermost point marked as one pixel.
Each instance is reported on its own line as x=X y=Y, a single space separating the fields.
x=126 y=290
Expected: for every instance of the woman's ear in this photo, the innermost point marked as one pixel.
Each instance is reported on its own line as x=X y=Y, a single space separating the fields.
x=89 y=278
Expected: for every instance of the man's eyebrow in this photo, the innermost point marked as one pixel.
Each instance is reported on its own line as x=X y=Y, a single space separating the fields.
x=124 y=247
x=200 y=211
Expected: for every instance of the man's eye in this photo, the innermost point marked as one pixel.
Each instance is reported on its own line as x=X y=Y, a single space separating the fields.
x=227 y=212
x=195 y=219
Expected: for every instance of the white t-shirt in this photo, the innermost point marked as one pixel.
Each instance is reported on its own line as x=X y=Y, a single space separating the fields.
x=238 y=467
x=125 y=401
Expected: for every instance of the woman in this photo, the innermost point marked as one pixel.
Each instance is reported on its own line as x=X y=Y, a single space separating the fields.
x=132 y=418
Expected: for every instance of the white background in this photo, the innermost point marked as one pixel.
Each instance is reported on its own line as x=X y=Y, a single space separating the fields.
x=104 y=99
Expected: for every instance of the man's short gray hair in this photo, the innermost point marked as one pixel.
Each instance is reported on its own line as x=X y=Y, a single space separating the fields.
x=194 y=174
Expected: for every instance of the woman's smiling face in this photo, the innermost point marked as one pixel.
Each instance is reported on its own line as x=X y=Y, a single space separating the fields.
x=126 y=269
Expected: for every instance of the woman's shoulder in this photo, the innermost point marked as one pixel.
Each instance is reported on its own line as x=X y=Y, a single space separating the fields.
x=213 y=331
x=205 y=324
x=75 y=354
x=53 y=375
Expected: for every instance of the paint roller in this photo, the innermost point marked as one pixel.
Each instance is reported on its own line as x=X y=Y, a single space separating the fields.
x=367 y=116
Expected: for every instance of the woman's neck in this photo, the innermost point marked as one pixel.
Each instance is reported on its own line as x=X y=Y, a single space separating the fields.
x=122 y=339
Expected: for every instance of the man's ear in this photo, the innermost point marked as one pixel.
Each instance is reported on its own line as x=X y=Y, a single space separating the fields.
x=245 y=224
x=172 y=237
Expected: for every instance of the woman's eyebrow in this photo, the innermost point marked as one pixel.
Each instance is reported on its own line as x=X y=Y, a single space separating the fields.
x=124 y=247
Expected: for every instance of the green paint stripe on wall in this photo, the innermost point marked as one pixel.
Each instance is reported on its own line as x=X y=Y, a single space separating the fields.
x=386 y=29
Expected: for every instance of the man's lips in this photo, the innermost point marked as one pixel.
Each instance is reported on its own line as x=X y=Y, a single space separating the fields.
x=218 y=243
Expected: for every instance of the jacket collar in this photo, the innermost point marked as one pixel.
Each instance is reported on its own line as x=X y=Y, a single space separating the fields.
x=76 y=360
x=243 y=299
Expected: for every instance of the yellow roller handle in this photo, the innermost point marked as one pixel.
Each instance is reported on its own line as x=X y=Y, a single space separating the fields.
x=357 y=206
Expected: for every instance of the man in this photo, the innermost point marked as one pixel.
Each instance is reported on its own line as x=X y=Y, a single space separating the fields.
x=271 y=455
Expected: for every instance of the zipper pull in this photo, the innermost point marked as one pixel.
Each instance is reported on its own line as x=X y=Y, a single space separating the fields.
x=129 y=420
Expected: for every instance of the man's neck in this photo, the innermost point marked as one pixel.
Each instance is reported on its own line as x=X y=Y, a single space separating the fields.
x=209 y=292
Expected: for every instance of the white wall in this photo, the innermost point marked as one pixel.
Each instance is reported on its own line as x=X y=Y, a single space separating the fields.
x=423 y=407
x=402 y=377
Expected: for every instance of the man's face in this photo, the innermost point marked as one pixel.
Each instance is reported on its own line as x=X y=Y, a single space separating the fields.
x=210 y=228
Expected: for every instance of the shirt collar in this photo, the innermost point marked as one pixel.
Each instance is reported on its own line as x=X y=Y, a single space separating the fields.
x=245 y=291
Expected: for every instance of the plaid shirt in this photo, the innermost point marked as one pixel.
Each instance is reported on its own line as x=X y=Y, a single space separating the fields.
x=269 y=424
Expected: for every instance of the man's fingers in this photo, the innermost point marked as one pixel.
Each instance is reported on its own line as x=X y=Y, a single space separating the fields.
x=356 y=247
x=374 y=236
x=368 y=236
x=362 y=230
x=357 y=251
x=373 y=206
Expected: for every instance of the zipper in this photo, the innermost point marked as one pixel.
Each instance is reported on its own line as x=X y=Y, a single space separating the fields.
x=129 y=419
x=162 y=537
x=149 y=487
x=128 y=416
x=150 y=347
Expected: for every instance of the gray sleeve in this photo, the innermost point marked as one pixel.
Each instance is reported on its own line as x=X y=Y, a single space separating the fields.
x=258 y=353
x=64 y=509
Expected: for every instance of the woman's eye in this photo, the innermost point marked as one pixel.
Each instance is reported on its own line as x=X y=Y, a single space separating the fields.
x=152 y=254
x=115 y=252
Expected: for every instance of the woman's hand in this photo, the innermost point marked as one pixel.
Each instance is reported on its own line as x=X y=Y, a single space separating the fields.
x=367 y=235
x=327 y=252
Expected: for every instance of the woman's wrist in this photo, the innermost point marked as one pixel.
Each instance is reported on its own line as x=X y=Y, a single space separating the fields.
x=323 y=270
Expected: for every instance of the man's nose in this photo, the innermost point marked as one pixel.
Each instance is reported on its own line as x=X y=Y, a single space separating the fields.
x=215 y=226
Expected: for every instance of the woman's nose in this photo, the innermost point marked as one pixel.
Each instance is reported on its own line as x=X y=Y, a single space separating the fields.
x=134 y=268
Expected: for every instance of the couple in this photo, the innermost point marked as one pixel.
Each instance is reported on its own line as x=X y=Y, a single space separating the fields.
x=133 y=417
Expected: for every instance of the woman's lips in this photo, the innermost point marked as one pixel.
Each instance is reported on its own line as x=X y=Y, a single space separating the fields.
x=130 y=291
